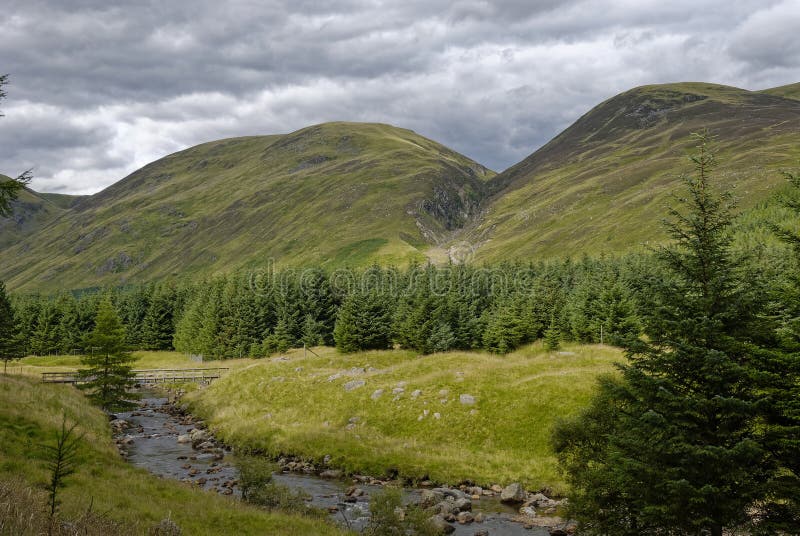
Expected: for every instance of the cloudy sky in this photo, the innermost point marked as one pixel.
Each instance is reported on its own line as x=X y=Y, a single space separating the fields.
x=101 y=87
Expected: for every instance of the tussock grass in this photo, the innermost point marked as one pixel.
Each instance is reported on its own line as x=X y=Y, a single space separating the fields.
x=31 y=412
x=292 y=405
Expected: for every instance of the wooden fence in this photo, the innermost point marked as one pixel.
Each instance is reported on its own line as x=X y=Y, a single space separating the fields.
x=147 y=377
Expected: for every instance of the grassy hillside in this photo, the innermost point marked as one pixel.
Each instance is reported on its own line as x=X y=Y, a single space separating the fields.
x=30 y=414
x=32 y=212
x=602 y=185
x=789 y=91
x=302 y=406
x=332 y=194
x=353 y=194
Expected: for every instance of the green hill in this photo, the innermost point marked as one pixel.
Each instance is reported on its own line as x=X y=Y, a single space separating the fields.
x=602 y=184
x=353 y=194
x=331 y=194
x=32 y=211
x=789 y=91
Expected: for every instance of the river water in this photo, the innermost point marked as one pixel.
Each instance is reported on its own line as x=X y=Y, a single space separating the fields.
x=155 y=447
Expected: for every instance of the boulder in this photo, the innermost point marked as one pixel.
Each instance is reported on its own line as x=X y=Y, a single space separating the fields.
x=540 y=500
x=376 y=394
x=354 y=384
x=450 y=492
x=513 y=493
x=528 y=511
x=463 y=504
x=331 y=473
x=198 y=436
x=464 y=518
x=430 y=497
x=441 y=526
x=447 y=507
x=184 y=438
x=467 y=400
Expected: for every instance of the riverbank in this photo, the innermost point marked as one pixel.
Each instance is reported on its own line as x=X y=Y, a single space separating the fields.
x=443 y=418
x=131 y=499
x=169 y=442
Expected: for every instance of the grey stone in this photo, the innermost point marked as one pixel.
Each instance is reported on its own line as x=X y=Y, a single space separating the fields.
x=441 y=526
x=513 y=493
x=331 y=473
x=430 y=497
x=376 y=394
x=467 y=400
x=354 y=384
x=447 y=507
x=465 y=518
x=528 y=511
x=463 y=504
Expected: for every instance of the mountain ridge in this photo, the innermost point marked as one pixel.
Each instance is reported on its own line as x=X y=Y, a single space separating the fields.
x=356 y=193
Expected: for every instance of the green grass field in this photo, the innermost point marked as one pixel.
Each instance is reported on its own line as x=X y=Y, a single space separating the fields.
x=299 y=405
x=296 y=404
x=30 y=414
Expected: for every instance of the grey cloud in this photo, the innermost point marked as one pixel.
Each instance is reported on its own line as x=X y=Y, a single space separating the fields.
x=116 y=84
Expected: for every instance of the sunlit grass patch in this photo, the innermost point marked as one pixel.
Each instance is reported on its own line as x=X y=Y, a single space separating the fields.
x=302 y=405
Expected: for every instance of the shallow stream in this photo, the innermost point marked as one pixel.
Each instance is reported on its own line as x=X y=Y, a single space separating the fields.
x=152 y=444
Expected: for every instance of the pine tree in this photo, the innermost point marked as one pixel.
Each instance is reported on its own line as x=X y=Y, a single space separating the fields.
x=552 y=336
x=504 y=331
x=158 y=326
x=313 y=332
x=10 y=344
x=781 y=511
x=363 y=323
x=676 y=446
x=281 y=338
x=442 y=339
x=108 y=374
x=44 y=337
x=68 y=332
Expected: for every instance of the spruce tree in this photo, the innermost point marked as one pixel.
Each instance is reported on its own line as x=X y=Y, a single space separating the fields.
x=676 y=446
x=363 y=323
x=10 y=344
x=280 y=339
x=781 y=510
x=313 y=332
x=552 y=336
x=108 y=373
x=158 y=326
x=44 y=338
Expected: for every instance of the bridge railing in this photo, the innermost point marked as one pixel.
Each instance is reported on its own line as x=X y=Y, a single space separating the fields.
x=147 y=377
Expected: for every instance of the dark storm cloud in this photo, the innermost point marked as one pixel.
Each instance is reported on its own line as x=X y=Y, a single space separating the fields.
x=100 y=88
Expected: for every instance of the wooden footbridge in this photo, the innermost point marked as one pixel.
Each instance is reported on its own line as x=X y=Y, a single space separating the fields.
x=148 y=377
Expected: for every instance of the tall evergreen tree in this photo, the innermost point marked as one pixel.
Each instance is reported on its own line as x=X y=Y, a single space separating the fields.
x=108 y=375
x=10 y=343
x=781 y=512
x=44 y=337
x=158 y=326
x=676 y=446
x=363 y=323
